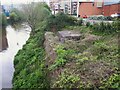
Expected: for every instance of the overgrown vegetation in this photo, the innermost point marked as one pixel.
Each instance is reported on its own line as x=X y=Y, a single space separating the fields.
x=16 y=16
x=63 y=56
x=30 y=71
x=106 y=28
x=105 y=18
x=60 y=21
x=91 y=62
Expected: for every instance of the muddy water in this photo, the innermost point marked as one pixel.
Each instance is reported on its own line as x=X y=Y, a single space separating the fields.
x=13 y=41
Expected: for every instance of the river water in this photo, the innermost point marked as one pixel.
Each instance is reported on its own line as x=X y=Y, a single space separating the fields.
x=16 y=38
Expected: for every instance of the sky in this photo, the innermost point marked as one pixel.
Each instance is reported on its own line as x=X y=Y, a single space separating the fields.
x=27 y=1
x=19 y=1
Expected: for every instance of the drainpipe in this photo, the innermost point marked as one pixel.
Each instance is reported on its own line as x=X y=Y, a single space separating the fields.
x=77 y=8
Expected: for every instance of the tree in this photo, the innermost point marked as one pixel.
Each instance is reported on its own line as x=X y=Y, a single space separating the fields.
x=13 y=17
x=19 y=14
x=35 y=13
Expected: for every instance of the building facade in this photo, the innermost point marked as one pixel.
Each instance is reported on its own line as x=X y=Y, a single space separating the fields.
x=111 y=9
x=90 y=8
x=66 y=6
x=86 y=7
x=98 y=7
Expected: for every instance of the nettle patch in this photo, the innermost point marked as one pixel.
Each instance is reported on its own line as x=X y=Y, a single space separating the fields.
x=63 y=56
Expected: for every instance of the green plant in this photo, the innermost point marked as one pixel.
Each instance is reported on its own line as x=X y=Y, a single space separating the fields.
x=105 y=28
x=67 y=80
x=106 y=18
x=29 y=63
x=112 y=82
x=88 y=24
x=60 y=21
x=60 y=60
x=20 y=14
x=14 y=17
x=80 y=22
x=63 y=56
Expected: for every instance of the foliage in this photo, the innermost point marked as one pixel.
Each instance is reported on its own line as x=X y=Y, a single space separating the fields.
x=13 y=17
x=16 y=16
x=29 y=64
x=106 y=18
x=30 y=71
x=63 y=57
x=46 y=6
x=80 y=22
x=60 y=21
x=88 y=24
x=105 y=28
x=3 y=20
x=113 y=82
x=67 y=80
x=35 y=13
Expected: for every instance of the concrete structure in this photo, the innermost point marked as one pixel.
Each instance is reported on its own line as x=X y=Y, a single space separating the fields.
x=68 y=35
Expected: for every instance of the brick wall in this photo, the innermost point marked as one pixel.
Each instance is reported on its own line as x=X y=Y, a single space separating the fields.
x=111 y=9
x=89 y=9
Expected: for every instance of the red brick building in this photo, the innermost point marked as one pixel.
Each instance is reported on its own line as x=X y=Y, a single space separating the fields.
x=90 y=8
x=111 y=9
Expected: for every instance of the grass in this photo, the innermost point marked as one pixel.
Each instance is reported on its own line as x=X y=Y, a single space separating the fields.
x=95 y=65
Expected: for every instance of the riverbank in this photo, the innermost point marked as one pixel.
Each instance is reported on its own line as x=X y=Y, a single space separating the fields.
x=29 y=64
x=95 y=56
x=7 y=56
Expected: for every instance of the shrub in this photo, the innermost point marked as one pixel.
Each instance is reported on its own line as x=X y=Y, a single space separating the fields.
x=13 y=17
x=67 y=80
x=63 y=56
x=20 y=14
x=105 y=28
x=106 y=18
x=80 y=22
x=88 y=24
x=59 y=21
x=113 y=82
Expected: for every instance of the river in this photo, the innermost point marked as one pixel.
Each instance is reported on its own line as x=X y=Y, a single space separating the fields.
x=15 y=39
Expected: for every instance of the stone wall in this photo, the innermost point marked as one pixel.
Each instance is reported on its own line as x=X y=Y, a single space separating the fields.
x=50 y=42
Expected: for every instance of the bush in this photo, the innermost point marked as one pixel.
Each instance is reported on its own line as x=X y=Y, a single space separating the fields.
x=67 y=80
x=80 y=22
x=88 y=24
x=105 y=28
x=20 y=14
x=113 y=82
x=13 y=17
x=16 y=16
x=59 y=21
x=106 y=18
